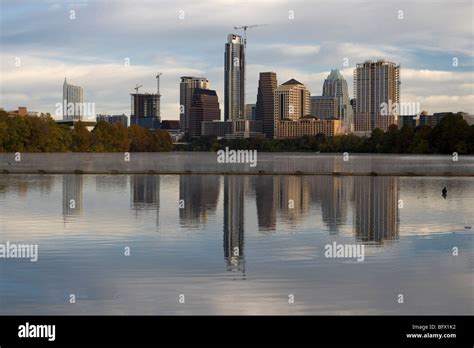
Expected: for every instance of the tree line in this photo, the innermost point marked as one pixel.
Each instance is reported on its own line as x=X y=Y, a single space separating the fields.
x=42 y=134
x=451 y=134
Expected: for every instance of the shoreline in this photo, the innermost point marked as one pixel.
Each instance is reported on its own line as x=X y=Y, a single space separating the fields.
x=268 y=163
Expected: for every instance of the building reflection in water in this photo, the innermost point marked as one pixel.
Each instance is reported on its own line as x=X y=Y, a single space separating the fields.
x=145 y=193
x=110 y=183
x=22 y=183
x=73 y=186
x=331 y=193
x=199 y=195
x=293 y=198
x=234 y=222
x=266 y=196
x=376 y=208
x=284 y=196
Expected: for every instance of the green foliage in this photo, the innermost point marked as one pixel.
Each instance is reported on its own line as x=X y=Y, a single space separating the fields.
x=452 y=134
x=42 y=134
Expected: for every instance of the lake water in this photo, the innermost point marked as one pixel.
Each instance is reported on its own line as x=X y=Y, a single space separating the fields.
x=236 y=244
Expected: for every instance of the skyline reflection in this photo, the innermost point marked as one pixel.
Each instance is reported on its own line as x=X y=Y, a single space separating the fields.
x=278 y=198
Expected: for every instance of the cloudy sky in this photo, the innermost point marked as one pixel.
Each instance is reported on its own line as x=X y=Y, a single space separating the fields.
x=41 y=44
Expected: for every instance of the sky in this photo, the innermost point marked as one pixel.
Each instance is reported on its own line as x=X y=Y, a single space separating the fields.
x=108 y=47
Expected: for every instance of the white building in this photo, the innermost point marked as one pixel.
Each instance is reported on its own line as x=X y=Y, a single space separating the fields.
x=73 y=102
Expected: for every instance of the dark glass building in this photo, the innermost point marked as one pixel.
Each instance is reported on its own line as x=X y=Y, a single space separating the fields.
x=145 y=110
x=267 y=84
x=204 y=107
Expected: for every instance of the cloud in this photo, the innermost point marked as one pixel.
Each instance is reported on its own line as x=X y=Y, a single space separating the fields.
x=91 y=49
x=435 y=75
x=295 y=51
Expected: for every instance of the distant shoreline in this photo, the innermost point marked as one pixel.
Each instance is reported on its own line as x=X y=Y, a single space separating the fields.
x=268 y=163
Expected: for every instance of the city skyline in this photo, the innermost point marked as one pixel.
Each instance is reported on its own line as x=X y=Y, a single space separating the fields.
x=428 y=73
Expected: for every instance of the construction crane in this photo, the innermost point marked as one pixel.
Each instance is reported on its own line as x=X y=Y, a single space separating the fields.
x=135 y=102
x=158 y=95
x=137 y=87
x=158 y=82
x=245 y=27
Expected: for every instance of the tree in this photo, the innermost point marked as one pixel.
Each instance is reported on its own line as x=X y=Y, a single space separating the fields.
x=81 y=138
x=140 y=139
x=161 y=141
x=451 y=134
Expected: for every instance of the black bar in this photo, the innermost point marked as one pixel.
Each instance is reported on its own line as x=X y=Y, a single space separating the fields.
x=262 y=330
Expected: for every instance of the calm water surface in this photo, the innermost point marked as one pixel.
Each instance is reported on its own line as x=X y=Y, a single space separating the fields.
x=183 y=232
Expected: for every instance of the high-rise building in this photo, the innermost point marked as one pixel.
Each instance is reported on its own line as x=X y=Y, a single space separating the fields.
x=73 y=99
x=250 y=112
x=267 y=84
x=204 y=107
x=325 y=108
x=186 y=92
x=145 y=110
x=375 y=83
x=234 y=78
x=336 y=86
x=291 y=102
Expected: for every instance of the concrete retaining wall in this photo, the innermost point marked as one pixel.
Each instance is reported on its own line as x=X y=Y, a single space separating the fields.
x=267 y=163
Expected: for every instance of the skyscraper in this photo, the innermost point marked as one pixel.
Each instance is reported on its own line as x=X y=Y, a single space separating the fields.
x=375 y=82
x=234 y=78
x=250 y=111
x=291 y=102
x=336 y=86
x=73 y=99
x=204 y=107
x=267 y=84
x=186 y=92
x=324 y=107
x=145 y=110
